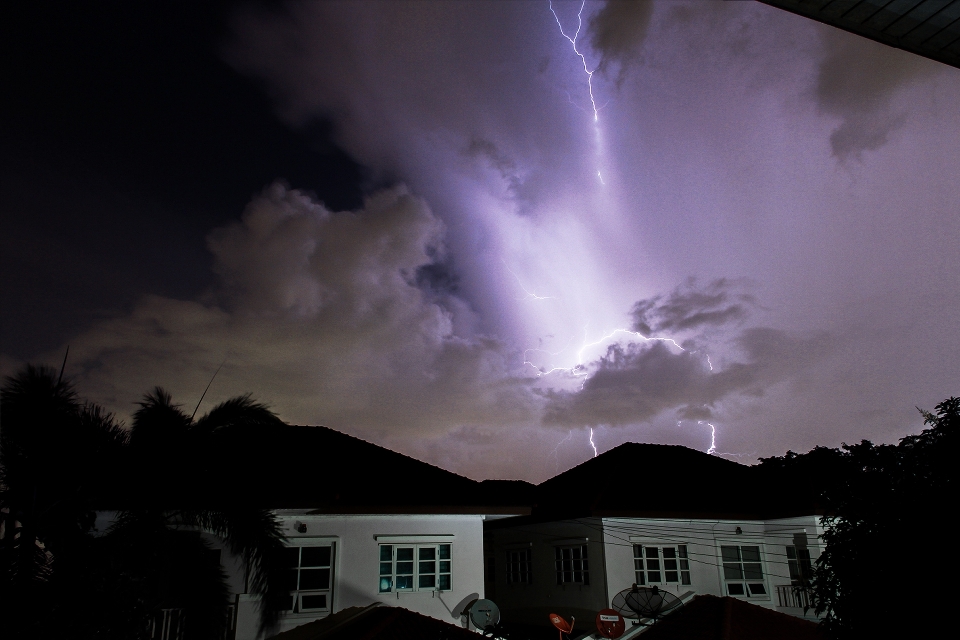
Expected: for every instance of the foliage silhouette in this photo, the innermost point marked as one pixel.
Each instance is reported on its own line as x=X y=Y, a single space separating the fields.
x=62 y=461
x=881 y=573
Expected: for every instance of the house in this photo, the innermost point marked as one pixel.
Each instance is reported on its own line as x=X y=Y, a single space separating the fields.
x=363 y=525
x=376 y=622
x=687 y=522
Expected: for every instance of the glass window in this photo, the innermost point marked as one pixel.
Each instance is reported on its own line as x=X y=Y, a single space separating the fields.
x=661 y=565
x=801 y=567
x=519 y=566
x=415 y=568
x=572 y=565
x=743 y=570
x=307 y=576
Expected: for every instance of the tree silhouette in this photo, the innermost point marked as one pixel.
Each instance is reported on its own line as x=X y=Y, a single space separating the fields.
x=62 y=460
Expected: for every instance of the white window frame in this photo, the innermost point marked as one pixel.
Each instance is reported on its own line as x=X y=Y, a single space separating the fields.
x=441 y=566
x=747 y=585
x=681 y=563
x=298 y=594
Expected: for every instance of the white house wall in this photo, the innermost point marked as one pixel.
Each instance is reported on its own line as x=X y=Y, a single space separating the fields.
x=703 y=539
x=356 y=563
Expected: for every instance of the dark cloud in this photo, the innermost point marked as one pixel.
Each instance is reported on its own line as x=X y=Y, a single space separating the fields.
x=690 y=308
x=636 y=382
x=618 y=32
x=857 y=81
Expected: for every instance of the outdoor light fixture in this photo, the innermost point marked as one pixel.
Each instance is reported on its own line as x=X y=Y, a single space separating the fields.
x=302 y=527
x=739 y=530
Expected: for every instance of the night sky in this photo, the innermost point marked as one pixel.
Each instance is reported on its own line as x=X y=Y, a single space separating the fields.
x=408 y=221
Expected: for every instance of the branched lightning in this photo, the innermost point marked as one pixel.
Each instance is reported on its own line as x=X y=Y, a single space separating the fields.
x=573 y=41
x=530 y=295
x=556 y=450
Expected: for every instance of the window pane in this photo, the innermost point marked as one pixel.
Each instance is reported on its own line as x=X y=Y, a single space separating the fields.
x=315 y=557
x=559 y=553
x=730 y=554
x=751 y=554
x=445 y=566
x=638 y=565
x=752 y=571
x=652 y=552
x=684 y=565
x=637 y=551
x=682 y=551
x=404 y=582
x=732 y=571
x=428 y=553
x=653 y=565
x=386 y=568
x=314 y=578
x=653 y=577
x=428 y=567
x=444 y=552
x=640 y=578
x=735 y=589
x=757 y=589
x=445 y=582
x=404 y=553
x=385 y=584
x=684 y=577
x=386 y=552
x=669 y=552
x=671 y=576
x=577 y=576
x=586 y=577
x=428 y=582
x=792 y=553
x=313 y=601
x=584 y=551
x=405 y=568
x=669 y=565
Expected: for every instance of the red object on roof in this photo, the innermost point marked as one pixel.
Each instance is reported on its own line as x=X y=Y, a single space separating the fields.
x=610 y=623
x=561 y=624
x=715 y=618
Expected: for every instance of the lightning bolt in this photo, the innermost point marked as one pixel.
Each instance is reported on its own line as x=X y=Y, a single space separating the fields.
x=586 y=69
x=592 y=443
x=530 y=295
x=556 y=450
x=573 y=41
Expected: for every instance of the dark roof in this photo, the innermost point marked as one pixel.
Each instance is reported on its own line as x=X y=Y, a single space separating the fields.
x=714 y=618
x=377 y=623
x=654 y=480
x=331 y=472
x=930 y=28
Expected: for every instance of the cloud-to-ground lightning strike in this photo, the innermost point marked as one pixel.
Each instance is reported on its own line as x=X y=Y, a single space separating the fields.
x=592 y=444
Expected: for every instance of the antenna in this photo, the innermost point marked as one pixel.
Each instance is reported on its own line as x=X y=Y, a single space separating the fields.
x=63 y=366
x=485 y=615
x=610 y=623
x=645 y=602
x=562 y=625
x=205 y=390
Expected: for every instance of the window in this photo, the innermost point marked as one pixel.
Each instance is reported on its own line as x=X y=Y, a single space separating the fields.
x=306 y=576
x=661 y=564
x=572 y=565
x=743 y=571
x=415 y=567
x=801 y=569
x=519 y=566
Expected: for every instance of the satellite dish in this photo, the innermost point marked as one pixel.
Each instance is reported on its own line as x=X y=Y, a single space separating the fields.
x=561 y=624
x=610 y=623
x=484 y=614
x=645 y=602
